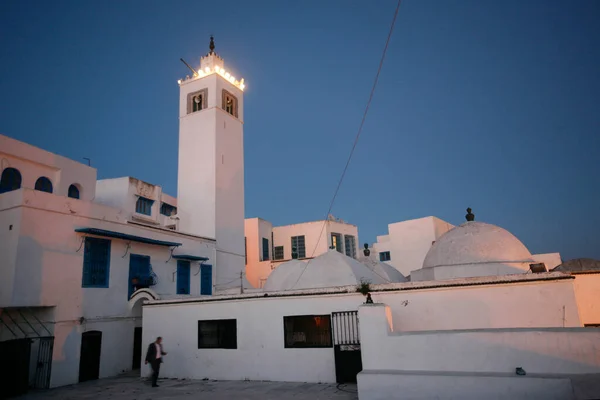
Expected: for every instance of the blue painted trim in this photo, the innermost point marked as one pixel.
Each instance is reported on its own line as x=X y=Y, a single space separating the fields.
x=125 y=236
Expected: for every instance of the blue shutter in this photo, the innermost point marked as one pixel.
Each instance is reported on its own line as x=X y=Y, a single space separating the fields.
x=206 y=279
x=96 y=263
x=183 y=277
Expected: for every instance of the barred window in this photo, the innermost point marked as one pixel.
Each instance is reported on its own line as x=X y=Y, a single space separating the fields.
x=350 y=244
x=298 y=247
x=306 y=331
x=217 y=334
x=278 y=253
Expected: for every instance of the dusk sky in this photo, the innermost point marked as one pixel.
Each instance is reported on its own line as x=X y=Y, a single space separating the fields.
x=493 y=105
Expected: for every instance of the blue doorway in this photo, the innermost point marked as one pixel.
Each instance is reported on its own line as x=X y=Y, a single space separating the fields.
x=139 y=273
x=206 y=279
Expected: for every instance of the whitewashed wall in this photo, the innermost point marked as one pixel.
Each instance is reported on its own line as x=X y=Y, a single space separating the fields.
x=388 y=355
x=587 y=292
x=409 y=241
x=33 y=162
x=257 y=270
x=315 y=245
x=46 y=270
x=260 y=336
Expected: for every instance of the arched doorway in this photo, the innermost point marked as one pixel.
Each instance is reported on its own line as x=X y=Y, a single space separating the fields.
x=89 y=359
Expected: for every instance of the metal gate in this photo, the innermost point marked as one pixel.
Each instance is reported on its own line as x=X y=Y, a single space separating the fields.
x=346 y=345
x=43 y=367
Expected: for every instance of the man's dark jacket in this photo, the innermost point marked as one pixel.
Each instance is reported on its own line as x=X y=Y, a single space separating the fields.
x=151 y=353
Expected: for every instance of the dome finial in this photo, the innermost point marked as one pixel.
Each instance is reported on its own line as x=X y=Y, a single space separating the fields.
x=212 y=45
x=470 y=216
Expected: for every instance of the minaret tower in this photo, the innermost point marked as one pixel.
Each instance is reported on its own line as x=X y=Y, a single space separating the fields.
x=210 y=180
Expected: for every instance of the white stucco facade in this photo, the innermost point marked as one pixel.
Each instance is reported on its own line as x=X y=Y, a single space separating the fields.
x=408 y=242
x=44 y=269
x=318 y=237
x=472 y=363
x=260 y=353
x=210 y=180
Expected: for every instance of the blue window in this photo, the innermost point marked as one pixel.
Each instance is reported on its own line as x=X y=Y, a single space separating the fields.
x=144 y=206
x=384 y=256
x=73 y=192
x=183 y=277
x=139 y=273
x=167 y=209
x=11 y=180
x=96 y=263
x=43 y=184
x=206 y=279
x=265 y=249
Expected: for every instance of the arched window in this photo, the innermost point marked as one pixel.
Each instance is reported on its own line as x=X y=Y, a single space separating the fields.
x=43 y=184
x=73 y=192
x=11 y=180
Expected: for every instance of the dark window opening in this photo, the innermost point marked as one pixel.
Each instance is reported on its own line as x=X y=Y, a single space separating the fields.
x=11 y=180
x=197 y=103
x=278 y=253
x=350 y=244
x=73 y=192
x=305 y=331
x=265 y=249
x=167 y=209
x=144 y=206
x=230 y=104
x=43 y=184
x=385 y=256
x=217 y=334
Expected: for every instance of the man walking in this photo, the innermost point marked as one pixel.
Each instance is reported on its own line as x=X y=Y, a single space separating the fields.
x=154 y=357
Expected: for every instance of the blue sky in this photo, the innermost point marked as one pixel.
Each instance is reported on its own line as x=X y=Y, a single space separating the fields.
x=488 y=104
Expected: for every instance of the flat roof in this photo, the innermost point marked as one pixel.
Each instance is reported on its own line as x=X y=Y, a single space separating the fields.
x=385 y=287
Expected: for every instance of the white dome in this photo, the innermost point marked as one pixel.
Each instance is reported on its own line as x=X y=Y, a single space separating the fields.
x=476 y=243
x=327 y=270
x=383 y=269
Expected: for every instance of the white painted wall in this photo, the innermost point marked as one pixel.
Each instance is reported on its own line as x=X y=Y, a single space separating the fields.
x=257 y=270
x=467 y=352
x=552 y=260
x=587 y=292
x=409 y=241
x=211 y=174
x=317 y=242
x=33 y=162
x=43 y=267
x=261 y=354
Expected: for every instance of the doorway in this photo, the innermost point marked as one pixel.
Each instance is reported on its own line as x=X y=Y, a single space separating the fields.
x=15 y=356
x=137 y=348
x=89 y=361
x=346 y=346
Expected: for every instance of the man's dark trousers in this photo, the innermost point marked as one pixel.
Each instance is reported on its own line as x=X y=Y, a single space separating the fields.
x=155 y=369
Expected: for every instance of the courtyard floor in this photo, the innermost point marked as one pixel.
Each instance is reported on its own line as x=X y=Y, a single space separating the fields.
x=130 y=387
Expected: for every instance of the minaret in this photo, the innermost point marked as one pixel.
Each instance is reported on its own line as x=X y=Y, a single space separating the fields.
x=210 y=181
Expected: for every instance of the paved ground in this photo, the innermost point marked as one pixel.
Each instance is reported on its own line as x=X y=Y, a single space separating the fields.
x=130 y=387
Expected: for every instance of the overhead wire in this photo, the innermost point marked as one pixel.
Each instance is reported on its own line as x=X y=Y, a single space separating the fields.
x=362 y=122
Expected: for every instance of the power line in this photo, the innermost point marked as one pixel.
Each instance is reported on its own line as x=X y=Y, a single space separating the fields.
x=362 y=122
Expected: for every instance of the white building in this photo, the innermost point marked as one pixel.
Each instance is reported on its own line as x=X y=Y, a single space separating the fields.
x=267 y=246
x=467 y=337
x=408 y=242
x=79 y=256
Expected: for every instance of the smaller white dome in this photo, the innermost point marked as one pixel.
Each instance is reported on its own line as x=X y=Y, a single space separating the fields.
x=476 y=243
x=327 y=270
x=383 y=269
